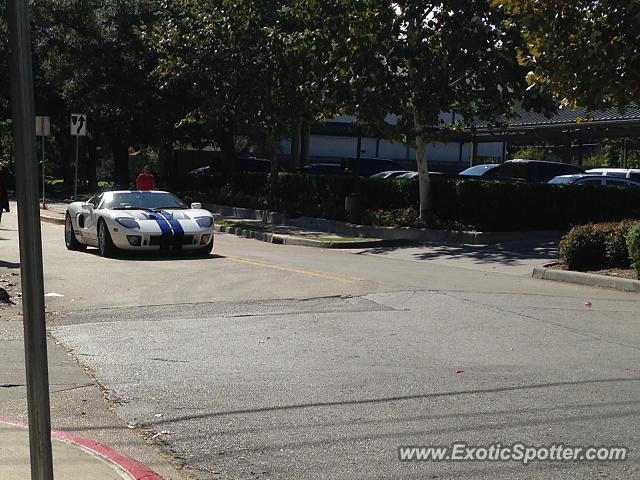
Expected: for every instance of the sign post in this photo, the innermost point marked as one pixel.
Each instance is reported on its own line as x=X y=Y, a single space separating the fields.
x=30 y=239
x=78 y=129
x=43 y=129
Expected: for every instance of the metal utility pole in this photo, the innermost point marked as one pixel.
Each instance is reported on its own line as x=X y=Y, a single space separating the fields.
x=35 y=335
x=75 y=182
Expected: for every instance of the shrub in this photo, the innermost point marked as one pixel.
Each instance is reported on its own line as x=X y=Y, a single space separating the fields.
x=583 y=247
x=471 y=204
x=633 y=246
x=596 y=246
x=616 y=244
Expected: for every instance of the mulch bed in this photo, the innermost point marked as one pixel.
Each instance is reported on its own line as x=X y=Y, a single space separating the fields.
x=629 y=273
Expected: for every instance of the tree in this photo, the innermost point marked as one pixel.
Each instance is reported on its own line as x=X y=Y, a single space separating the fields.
x=458 y=56
x=91 y=59
x=583 y=52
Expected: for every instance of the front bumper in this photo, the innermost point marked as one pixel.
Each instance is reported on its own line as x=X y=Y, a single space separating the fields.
x=126 y=239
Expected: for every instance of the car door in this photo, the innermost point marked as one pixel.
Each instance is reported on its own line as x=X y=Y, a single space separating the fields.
x=618 y=182
x=90 y=219
x=593 y=182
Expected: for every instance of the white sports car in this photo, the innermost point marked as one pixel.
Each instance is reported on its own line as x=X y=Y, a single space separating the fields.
x=138 y=220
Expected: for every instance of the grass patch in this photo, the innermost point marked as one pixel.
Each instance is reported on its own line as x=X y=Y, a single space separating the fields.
x=338 y=239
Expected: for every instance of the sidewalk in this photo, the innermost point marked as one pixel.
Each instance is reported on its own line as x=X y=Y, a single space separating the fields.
x=73 y=457
x=256 y=229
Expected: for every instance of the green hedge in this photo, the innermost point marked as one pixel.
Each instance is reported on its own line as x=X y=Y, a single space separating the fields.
x=597 y=246
x=461 y=203
x=633 y=246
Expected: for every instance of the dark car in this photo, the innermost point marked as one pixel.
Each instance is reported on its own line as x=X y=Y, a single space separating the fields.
x=369 y=166
x=478 y=170
x=243 y=164
x=595 y=180
x=531 y=170
x=326 y=169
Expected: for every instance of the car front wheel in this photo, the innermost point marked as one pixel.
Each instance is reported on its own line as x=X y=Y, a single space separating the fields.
x=70 y=239
x=105 y=244
x=205 y=251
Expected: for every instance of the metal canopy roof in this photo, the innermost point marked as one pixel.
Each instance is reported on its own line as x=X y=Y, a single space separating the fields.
x=564 y=124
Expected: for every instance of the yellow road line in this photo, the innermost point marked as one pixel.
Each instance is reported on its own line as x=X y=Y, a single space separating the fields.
x=310 y=273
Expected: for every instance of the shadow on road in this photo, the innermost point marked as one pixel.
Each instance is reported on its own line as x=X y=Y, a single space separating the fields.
x=375 y=401
x=507 y=253
x=5 y=264
x=156 y=256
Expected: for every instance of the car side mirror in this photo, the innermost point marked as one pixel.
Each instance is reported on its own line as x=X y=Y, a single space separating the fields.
x=88 y=206
x=196 y=206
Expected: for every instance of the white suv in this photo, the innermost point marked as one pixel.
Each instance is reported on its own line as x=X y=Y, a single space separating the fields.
x=616 y=172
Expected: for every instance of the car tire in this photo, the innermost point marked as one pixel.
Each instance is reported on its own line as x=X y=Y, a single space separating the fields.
x=70 y=239
x=205 y=251
x=105 y=245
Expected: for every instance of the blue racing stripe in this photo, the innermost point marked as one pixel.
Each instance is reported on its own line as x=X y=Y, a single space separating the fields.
x=162 y=222
x=176 y=228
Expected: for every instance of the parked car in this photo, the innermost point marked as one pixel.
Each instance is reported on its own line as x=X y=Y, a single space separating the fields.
x=391 y=174
x=201 y=171
x=478 y=170
x=136 y=220
x=325 y=169
x=531 y=170
x=244 y=164
x=616 y=172
x=407 y=175
x=369 y=166
x=595 y=180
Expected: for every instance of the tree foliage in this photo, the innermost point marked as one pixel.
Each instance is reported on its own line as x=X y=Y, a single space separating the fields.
x=583 y=52
x=458 y=56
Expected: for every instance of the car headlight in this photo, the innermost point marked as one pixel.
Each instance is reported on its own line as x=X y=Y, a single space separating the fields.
x=204 y=222
x=128 y=222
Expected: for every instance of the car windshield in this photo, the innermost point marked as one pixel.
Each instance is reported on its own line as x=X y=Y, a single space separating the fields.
x=562 y=180
x=477 y=170
x=142 y=201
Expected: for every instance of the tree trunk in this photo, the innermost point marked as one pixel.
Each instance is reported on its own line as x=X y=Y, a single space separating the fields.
x=165 y=163
x=92 y=165
x=473 y=159
x=424 y=182
x=304 y=144
x=273 y=152
x=67 y=155
x=226 y=142
x=120 y=153
x=295 y=146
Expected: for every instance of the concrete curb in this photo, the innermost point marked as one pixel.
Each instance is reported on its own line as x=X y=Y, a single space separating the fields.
x=282 y=239
x=589 y=279
x=384 y=233
x=51 y=219
x=128 y=464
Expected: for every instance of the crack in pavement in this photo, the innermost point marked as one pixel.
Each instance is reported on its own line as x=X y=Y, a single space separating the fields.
x=575 y=331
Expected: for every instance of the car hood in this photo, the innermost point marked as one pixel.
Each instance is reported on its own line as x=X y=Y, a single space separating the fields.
x=169 y=214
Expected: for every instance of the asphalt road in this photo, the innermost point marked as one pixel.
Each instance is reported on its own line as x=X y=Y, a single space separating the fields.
x=282 y=362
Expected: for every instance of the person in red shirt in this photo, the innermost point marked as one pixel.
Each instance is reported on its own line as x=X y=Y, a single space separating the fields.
x=146 y=180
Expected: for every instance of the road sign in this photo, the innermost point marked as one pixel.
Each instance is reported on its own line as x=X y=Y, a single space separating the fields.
x=43 y=125
x=78 y=124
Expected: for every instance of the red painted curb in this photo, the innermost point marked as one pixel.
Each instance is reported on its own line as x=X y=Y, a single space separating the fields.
x=128 y=464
